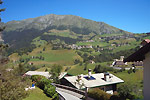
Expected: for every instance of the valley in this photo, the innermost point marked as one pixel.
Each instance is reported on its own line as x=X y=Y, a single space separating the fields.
x=76 y=44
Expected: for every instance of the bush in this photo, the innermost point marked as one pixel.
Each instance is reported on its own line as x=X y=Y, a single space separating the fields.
x=50 y=91
x=41 y=81
x=115 y=97
x=98 y=94
x=45 y=84
x=125 y=92
x=130 y=71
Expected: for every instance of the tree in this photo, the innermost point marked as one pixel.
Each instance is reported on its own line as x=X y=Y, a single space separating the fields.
x=20 y=70
x=55 y=72
x=125 y=92
x=2 y=46
x=11 y=87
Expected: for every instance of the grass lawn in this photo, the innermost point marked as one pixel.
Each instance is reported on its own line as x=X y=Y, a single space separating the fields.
x=37 y=94
x=136 y=77
x=133 y=79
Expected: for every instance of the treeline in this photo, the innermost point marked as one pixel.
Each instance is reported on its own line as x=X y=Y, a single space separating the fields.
x=67 y=40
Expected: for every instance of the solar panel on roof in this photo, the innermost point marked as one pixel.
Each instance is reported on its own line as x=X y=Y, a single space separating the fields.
x=90 y=78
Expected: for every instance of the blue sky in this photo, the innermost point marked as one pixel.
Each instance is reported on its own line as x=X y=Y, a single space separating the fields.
x=129 y=15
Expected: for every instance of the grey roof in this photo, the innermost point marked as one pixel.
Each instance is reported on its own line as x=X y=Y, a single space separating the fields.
x=46 y=74
x=30 y=73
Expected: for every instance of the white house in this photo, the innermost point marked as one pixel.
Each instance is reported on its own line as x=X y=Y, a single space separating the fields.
x=143 y=54
x=105 y=81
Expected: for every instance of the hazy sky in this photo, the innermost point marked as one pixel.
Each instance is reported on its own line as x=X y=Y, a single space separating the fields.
x=129 y=15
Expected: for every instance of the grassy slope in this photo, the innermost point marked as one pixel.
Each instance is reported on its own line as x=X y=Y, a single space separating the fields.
x=37 y=94
x=57 y=57
x=62 y=33
x=77 y=69
x=37 y=41
x=132 y=78
x=62 y=57
x=14 y=56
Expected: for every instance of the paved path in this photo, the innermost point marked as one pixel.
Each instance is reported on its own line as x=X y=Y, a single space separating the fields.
x=66 y=95
x=69 y=92
x=70 y=95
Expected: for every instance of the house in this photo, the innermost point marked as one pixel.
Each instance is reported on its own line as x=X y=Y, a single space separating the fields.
x=143 y=54
x=138 y=63
x=30 y=73
x=46 y=74
x=119 y=62
x=105 y=81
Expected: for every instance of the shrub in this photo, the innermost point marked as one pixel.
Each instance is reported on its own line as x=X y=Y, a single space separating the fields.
x=98 y=94
x=41 y=81
x=130 y=71
x=125 y=92
x=115 y=97
x=50 y=91
x=45 y=84
x=101 y=69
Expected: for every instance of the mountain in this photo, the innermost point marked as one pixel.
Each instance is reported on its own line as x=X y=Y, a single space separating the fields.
x=68 y=28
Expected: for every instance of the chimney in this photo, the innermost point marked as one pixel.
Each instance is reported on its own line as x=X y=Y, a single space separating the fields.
x=106 y=76
x=89 y=73
x=79 y=77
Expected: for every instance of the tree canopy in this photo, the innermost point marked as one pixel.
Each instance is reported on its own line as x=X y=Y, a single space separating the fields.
x=55 y=72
